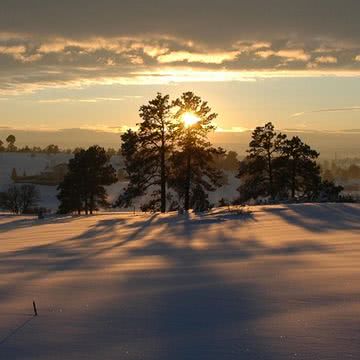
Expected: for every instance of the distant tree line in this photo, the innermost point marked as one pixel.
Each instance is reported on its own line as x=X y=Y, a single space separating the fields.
x=332 y=171
x=10 y=146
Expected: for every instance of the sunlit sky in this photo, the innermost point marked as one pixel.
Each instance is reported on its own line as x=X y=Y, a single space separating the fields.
x=91 y=64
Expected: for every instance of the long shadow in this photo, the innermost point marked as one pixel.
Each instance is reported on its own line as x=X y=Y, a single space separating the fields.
x=185 y=310
x=78 y=252
x=33 y=221
x=320 y=218
x=106 y=227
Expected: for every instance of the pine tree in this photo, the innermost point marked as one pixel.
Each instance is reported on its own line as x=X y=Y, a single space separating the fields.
x=278 y=167
x=70 y=192
x=299 y=162
x=11 y=139
x=83 y=186
x=146 y=152
x=193 y=166
x=199 y=199
x=257 y=170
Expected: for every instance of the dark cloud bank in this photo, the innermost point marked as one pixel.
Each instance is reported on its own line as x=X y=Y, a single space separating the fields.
x=225 y=20
x=47 y=43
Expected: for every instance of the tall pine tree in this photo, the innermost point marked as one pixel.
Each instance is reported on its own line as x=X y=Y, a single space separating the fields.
x=258 y=170
x=299 y=166
x=146 y=153
x=193 y=167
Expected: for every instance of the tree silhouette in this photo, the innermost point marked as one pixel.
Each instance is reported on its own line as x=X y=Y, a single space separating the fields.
x=146 y=152
x=329 y=191
x=257 y=170
x=299 y=164
x=11 y=139
x=19 y=199
x=193 y=166
x=278 y=167
x=52 y=149
x=83 y=186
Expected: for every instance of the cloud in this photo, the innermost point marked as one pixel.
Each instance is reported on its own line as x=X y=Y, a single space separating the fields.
x=30 y=61
x=287 y=54
x=204 y=21
x=210 y=58
x=326 y=60
x=330 y=110
x=76 y=100
x=12 y=50
x=234 y=129
x=293 y=54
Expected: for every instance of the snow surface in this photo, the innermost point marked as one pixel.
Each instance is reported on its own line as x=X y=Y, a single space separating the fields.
x=281 y=282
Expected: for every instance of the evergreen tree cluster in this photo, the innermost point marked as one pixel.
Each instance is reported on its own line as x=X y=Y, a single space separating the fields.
x=83 y=186
x=279 y=168
x=166 y=154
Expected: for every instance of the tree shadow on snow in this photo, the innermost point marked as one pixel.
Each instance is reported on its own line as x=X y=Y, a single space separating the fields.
x=184 y=310
x=320 y=217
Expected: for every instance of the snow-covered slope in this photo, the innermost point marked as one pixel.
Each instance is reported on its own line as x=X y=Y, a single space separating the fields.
x=279 y=283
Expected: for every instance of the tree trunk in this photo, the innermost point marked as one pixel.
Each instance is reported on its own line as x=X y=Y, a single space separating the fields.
x=86 y=207
x=163 y=181
x=271 y=181
x=187 y=182
x=91 y=207
x=293 y=180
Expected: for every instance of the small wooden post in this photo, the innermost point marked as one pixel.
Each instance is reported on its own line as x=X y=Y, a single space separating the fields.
x=35 y=309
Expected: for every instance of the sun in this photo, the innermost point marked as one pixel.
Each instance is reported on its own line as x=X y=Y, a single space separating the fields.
x=190 y=119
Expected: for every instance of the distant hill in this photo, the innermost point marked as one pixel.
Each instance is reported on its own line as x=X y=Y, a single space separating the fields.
x=330 y=144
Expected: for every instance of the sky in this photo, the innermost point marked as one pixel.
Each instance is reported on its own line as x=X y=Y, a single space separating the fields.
x=91 y=64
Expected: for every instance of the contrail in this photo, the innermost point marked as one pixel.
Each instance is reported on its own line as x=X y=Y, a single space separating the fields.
x=352 y=108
